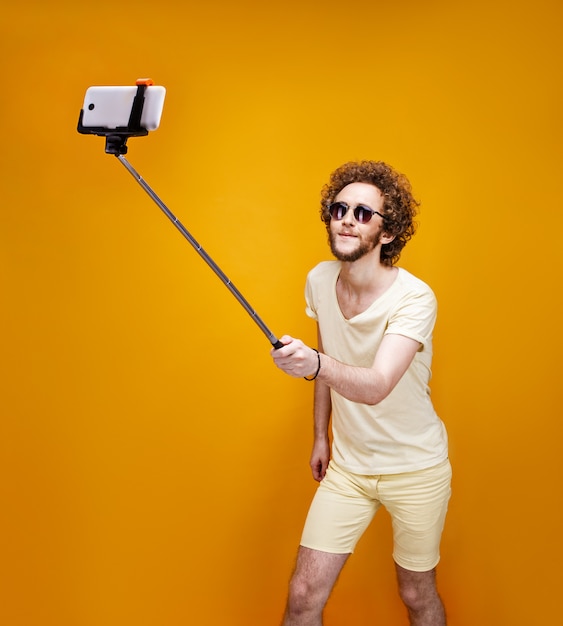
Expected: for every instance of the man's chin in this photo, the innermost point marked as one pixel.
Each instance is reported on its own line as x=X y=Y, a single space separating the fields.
x=349 y=256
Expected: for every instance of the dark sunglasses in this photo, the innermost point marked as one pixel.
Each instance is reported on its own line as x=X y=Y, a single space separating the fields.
x=362 y=213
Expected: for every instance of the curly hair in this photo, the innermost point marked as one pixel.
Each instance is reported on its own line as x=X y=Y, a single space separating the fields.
x=399 y=205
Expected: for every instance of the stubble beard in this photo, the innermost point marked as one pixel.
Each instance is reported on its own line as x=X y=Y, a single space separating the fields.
x=363 y=248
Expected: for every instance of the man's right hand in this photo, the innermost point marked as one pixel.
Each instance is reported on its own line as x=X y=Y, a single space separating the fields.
x=319 y=459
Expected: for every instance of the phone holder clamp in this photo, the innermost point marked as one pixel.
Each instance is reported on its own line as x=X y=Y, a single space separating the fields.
x=116 y=138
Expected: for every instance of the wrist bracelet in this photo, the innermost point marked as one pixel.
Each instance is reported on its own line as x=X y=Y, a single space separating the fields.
x=318 y=368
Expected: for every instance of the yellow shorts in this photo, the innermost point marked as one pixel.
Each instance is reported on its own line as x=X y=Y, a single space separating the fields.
x=345 y=504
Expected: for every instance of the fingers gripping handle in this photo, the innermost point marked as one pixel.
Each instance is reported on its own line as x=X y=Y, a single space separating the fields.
x=278 y=344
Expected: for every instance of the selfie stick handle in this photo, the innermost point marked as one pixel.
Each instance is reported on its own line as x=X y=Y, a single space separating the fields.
x=203 y=254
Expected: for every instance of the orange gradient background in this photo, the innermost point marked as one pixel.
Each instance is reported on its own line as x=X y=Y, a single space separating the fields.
x=154 y=463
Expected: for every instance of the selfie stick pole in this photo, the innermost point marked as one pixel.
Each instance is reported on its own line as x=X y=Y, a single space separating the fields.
x=116 y=144
x=203 y=254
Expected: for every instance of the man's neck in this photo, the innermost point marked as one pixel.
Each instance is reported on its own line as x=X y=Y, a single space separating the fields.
x=367 y=273
x=362 y=282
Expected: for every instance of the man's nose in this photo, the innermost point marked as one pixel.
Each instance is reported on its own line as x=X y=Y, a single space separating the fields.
x=348 y=217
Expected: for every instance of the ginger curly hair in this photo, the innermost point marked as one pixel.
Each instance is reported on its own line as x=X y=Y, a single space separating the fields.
x=399 y=206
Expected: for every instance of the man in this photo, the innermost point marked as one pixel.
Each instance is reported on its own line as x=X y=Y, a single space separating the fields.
x=371 y=372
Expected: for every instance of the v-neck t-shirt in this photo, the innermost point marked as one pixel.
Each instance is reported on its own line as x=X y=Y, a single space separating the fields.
x=402 y=433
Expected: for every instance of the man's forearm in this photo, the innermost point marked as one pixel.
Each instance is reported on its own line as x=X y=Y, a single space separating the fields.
x=322 y=410
x=370 y=385
x=359 y=384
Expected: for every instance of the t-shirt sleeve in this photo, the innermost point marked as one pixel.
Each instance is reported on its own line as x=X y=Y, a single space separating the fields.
x=414 y=316
x=310 y=308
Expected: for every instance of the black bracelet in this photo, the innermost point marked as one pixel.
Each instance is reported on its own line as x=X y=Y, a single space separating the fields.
x=318 y=368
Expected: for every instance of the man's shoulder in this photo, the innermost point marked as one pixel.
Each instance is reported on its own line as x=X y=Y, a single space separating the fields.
x=412 y=283
x=324 y=270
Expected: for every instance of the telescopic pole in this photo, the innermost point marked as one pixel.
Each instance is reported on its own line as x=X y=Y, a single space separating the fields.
x=203 y=254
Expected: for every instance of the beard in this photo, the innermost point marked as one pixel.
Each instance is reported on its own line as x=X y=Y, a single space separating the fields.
x=364 y=247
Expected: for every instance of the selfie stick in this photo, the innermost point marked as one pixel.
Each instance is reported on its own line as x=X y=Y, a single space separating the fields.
x=203 y=254
x=115 y=144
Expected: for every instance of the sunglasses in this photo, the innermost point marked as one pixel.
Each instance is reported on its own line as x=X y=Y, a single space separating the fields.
x=362 y=213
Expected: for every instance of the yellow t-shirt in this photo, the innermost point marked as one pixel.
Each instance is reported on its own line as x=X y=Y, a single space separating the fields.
x=402 y=433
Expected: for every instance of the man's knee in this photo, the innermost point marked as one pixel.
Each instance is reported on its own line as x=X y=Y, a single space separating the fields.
x=417 y=589
x=413 y=598
x=313 y=579
x=304 y=596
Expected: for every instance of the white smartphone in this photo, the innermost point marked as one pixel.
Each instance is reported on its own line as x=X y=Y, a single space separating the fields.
x=110 y=107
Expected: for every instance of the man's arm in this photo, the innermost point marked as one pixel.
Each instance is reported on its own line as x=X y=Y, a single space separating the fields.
x=366 y=385
x=320 y=455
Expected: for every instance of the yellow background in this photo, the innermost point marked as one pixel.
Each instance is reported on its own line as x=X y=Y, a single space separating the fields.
x=154 y=463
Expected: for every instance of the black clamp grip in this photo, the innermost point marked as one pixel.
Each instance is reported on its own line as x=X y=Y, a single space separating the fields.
x=116 y=138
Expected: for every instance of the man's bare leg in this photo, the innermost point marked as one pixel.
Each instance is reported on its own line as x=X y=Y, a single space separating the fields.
x=418 y=592
x=312 y=581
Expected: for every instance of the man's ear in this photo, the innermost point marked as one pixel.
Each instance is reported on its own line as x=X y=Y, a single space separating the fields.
x=385 y=238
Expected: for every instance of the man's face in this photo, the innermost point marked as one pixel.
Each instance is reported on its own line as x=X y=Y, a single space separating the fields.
x=350 y=240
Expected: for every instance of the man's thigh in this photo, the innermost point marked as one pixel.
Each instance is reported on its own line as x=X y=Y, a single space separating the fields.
x=417 y=503
x=340 y=512
x=318 y=570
